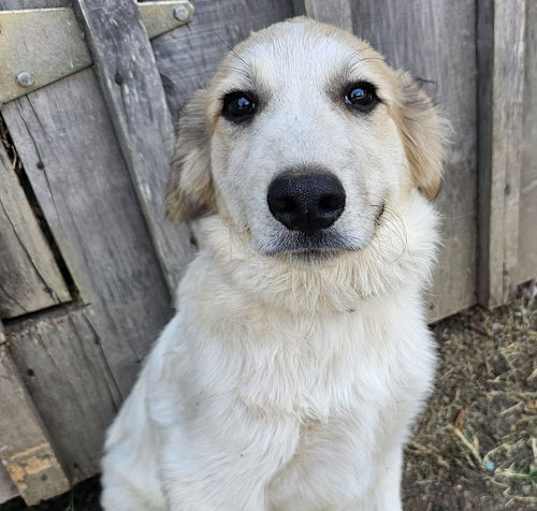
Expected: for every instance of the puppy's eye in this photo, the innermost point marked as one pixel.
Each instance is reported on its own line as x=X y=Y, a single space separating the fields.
x=361 y=96
x=239 y=106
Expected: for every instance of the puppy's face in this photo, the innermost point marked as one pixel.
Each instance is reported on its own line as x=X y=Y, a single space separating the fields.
x=302 y=140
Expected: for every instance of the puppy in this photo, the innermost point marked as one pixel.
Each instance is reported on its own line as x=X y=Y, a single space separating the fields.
x=299 y=357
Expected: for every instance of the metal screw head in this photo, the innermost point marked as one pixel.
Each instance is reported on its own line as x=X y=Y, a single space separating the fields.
x=182 y=13
x=25 y=79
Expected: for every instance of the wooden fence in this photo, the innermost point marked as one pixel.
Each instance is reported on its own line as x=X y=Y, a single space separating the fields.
x=87 y=261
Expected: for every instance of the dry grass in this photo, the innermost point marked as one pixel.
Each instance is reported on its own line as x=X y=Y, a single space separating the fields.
x=476 y=446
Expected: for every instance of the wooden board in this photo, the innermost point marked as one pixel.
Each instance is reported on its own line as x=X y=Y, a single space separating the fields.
x=527 y=246
x=417 y=35
x=29 y=276
x=335 y=12
x=500 y=54
x=65 y=139
x=7 y=489
x=133 y=91
x=188 y=57
x=26 y=451
x=62 y=361
x=8 y=5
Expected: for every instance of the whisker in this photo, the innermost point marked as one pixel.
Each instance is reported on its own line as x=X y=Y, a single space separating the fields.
x=392 y=220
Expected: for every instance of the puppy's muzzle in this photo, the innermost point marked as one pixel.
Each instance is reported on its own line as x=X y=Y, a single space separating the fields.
x=306 y=201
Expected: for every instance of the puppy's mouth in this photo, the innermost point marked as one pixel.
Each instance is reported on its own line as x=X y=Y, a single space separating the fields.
x=313 y=255
x=311 y=246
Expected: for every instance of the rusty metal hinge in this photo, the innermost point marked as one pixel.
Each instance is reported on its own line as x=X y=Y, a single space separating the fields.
x=40 y=46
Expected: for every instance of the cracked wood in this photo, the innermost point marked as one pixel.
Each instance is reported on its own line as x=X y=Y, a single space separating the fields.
x=62 y=362
x=30 y=279
x=65 y=138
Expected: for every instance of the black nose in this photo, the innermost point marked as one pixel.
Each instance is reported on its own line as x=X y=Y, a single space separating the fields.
x=306 y=202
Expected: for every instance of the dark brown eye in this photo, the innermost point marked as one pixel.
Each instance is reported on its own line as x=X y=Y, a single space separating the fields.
x=239 y=106
x=361 y=96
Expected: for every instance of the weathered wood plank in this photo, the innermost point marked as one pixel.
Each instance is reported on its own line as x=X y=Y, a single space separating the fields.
x=527 y=247
x=418 y=35
x=335 y=12
x=65 y=139
x=8 y=490
x=132 y=87
x=29 y=276
x=12 y=5
x=61 y=359
x=501 y=57
x=188 y=57
x=26 y=451
x=508 y=124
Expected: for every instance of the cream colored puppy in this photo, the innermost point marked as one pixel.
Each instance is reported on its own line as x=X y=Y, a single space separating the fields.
x=299 y=356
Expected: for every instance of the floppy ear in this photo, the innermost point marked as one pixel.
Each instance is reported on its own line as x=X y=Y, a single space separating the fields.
x=190 y=192
x=424 y=134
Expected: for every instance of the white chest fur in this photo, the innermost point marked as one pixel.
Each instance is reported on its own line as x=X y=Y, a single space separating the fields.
x=304 y=390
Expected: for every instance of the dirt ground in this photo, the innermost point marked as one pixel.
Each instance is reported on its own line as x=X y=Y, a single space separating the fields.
x=476 y=445
x=475 y=448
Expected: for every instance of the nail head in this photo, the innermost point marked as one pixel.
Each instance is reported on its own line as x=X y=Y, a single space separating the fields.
x=181 y=13
x=25 y=79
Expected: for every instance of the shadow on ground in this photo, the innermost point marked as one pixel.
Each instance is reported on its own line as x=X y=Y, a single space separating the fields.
x=83 y=497
x=475 y=447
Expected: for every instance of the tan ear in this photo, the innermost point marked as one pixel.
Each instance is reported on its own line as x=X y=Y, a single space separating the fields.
x=424 y=134
x=190 y=192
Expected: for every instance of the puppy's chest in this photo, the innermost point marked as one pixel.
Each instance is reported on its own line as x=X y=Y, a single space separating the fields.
x=320 y=370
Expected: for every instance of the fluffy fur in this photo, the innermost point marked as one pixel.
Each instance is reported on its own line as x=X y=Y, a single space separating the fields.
x=286 y=382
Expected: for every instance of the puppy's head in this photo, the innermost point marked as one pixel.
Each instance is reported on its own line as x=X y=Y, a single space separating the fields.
x=302 y=140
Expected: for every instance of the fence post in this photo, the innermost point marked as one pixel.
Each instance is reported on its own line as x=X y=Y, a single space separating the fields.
x=501 y=71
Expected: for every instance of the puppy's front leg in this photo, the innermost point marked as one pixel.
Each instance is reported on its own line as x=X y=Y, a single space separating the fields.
x=386 y=496
x=224 y=463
